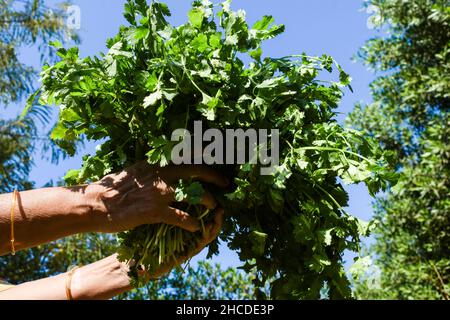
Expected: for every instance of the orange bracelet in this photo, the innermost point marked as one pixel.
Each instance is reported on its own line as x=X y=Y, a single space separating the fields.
x=69 y=282
x=13 y=208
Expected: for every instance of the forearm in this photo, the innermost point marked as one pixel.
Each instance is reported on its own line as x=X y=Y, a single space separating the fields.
x=44 y=215
x=101 y=280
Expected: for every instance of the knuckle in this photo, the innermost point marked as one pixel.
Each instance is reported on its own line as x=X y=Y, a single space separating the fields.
x=156 y=187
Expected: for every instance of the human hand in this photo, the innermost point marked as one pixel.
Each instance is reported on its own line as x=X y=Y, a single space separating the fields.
x=143 y=194
x=212 y=230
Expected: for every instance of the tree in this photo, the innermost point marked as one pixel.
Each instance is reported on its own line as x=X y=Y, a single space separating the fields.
x=15 y=154
x=31 y=24
x=205 y=281
x=410 y=117
x=23 y=23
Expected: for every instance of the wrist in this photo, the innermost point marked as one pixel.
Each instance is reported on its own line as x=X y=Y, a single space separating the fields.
x=96 y=212
x=103 y=279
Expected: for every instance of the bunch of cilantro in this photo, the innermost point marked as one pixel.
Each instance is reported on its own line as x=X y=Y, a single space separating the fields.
x=290 y=227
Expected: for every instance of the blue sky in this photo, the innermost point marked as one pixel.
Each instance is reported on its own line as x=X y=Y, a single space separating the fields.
x=335 y=27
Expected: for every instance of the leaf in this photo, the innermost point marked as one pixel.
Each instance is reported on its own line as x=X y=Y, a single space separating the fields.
x=365 y=228
x=111 y=70
x=282 y=173
x=107 y=110
x=152 y=99
x=232 y=40
x=196 y=17
x=141 y=33
x=151 y=82
x=264 y=23
x=215 y=40
x=256 y=54
x=360 y=266
x=31 y=100
x=115 y=51
x=200 y=42
x=71 y=177
x=57 y=44
x=169 y=94
x=261 y=28
x=355 y=174
x=302 y=164
x=69 y=115
x=327 y=236
x=319 y=262
x=192 y=192
x=207 y=107
x=258 y=240
x=59 y=132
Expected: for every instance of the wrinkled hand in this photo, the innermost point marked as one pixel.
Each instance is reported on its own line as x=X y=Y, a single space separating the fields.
x=143 y=194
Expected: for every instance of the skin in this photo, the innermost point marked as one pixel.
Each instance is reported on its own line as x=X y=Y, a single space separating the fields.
x=141 y=194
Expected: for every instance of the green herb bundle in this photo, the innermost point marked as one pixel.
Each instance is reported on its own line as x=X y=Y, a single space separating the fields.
x=290 y=226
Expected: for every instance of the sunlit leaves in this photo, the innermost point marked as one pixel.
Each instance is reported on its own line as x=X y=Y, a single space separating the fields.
x=156 y=78
x=196 y=17
x=409 y=117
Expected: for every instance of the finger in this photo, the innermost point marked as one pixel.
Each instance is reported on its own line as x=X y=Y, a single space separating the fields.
x=213 y=228
x=212 y=232
x=202 y=173
x=208 y=200
x=179 y=218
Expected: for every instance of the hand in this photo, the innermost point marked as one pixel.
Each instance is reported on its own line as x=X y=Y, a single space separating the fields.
x=212 y=230
x=143 y=194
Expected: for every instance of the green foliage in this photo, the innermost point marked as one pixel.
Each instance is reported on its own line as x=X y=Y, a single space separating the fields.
x=26 y=23
x=33 y=25
x=56 y=257
x=15 y=154
x=205 y=281
x=290 y=226
x=410 y=116
x=415 y=88
x=23 y=23
x=191 y=192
